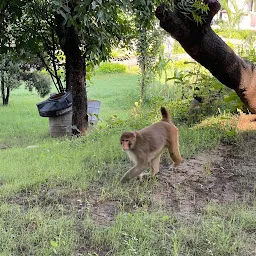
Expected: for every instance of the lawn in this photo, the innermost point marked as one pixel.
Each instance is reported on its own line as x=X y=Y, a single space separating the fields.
x=63 y=196
x=118 y=93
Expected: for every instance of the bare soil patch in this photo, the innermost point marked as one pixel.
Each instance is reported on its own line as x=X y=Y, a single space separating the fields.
x=3 y=146
x=225 y=174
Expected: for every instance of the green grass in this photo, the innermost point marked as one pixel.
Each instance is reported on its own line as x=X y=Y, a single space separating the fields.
x=143 y=233
x=20 y=122
x=35 y=232
x=56 y=196
x=118 y=93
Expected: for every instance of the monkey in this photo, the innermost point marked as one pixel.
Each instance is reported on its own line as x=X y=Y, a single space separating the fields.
x=144 y=147
x=195 y=103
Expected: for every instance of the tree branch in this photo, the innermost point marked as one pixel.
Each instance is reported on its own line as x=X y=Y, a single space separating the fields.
x=49 y=71
x=207 y=48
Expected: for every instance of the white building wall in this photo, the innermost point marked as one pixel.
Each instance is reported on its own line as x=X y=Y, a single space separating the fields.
x=248 y=20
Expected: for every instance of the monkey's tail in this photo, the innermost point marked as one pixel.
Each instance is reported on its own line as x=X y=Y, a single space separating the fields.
x=165 y=115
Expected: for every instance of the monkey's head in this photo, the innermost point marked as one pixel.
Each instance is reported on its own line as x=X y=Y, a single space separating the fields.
x=128 y=140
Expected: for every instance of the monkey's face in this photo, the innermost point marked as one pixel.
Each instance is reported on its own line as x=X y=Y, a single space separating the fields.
x=128 y=140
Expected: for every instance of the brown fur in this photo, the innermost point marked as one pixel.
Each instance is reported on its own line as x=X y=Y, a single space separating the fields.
x=144 y=147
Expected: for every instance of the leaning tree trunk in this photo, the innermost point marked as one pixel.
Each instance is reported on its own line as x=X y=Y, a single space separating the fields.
x=207 y=48
x=75 y=74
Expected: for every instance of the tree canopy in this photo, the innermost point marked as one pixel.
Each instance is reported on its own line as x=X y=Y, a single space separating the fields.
x=87 y=30
x=84 y=30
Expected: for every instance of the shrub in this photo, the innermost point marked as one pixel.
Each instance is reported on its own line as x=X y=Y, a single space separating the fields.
x=108 y=67
x=38 y=80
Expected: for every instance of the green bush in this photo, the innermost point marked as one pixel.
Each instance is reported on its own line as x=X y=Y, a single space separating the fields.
x=108 y=67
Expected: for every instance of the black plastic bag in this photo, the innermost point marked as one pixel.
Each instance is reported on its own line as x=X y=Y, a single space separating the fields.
x=56 y=105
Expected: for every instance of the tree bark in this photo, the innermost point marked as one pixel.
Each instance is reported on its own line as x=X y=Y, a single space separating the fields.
x=207 y=48
x=2 y=87
x=68 y=68
x=6 y=100
x=5 y=96
x=75 y=74
x=77 y=80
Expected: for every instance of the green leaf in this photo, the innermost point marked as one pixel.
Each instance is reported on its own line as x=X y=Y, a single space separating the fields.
x=232 y=97
x=54 y=244
x=87 y=2
x=165 y=218
x=66 y=8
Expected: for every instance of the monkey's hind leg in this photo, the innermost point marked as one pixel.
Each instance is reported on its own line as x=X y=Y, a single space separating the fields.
x=176 y=158
x=155 y=166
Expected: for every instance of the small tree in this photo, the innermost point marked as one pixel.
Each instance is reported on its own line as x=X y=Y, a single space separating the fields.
x=149 y=39
x=9 y=75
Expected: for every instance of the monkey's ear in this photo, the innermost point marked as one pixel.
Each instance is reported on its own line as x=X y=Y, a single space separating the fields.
x=134 y=134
